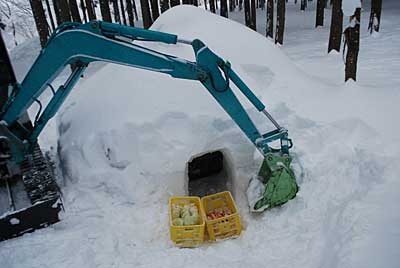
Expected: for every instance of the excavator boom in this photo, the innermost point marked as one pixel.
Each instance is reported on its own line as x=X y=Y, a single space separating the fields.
x=78 y=45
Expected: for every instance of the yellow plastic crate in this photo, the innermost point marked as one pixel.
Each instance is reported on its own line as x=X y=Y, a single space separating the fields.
x=191 y=235
x=224 y=227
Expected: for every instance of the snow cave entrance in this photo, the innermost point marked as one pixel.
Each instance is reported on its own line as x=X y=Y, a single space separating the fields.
x=209 y=173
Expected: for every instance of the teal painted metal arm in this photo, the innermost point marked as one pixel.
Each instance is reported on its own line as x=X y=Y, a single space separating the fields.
x=80 y=44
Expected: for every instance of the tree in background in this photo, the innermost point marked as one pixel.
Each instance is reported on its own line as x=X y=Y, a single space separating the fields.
x=303 y=5
x=117 y=17
x=224 y=8
x=335 y=34
x=319 y=20
x=105 y=10
x=50 y=15
x=90 y=10
x=352 y=40
x=280 y=21
x=154 y=9
x=61 y=9
x=247 y=13
x=212 y=6
x=146 y=16
x=123 y=12
x=129 y=9
x=270 y=19
x=175 y=3
x=83 y=8
x=253 y=15
x=164 y=4
x=40 y=20
x=73 y=7
x=375 y=17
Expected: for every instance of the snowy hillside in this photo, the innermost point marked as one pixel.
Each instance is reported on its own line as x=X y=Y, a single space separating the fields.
x=124 y=137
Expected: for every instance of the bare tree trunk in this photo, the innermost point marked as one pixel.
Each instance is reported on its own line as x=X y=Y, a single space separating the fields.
x=375 y=17
x=40 y=20
x=352 y=36
x=84 y=11
x=270 y=18
x=175 y=3
x=195 y=3
x=146 y=14
x=123 y=12
x=212 y=6
x=247 y=13
x=117 y=17
x=73 y=7
x=63 y=11
x=154 y=9
x=224 y=8
x=232 y=5
x=253 y=15
x=53 y=27
x=165 y=5
x=240 y=5
x=90 y=10
x=129 y=9
x=135 y=10
x=186 y=2
x=105 y=10
x=335 y=35
x=303 y=5
x=280 y=21
x=319 y=20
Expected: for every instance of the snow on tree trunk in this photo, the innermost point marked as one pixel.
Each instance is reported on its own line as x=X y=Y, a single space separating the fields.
x=105 y=10
x=129 y=9
x=253 y=15
x=270 y=18
x=224 y=8
x=164 y=5
x=319 y=20
x=123 y=12
x=247 y=13
x=154 y=9
x=53 y=27
x=280 y=21
x=352 y=37
x=90 y=10
x=40 y=20
x=117 y=17
x=335 y=34
x=83 y=8
x=375 y=17
x=73 y=7
x=144 y=4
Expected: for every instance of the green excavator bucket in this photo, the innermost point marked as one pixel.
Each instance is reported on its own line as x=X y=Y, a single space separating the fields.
x=274 y=185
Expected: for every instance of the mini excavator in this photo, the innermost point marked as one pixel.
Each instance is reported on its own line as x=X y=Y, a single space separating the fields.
x=29 y=196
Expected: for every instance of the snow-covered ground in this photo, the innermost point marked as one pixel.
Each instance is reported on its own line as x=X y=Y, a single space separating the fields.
x=125 y=135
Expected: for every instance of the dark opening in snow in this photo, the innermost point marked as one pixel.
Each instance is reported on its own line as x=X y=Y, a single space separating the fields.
x=208 y=174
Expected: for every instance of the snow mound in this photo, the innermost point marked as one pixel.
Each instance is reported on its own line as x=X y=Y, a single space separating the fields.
x=126 y=134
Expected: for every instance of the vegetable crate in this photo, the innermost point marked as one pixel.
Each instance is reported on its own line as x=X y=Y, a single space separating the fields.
x=226 y=226
x=191 y=235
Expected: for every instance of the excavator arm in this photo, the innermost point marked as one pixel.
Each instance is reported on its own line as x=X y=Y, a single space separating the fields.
x=77 y=45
